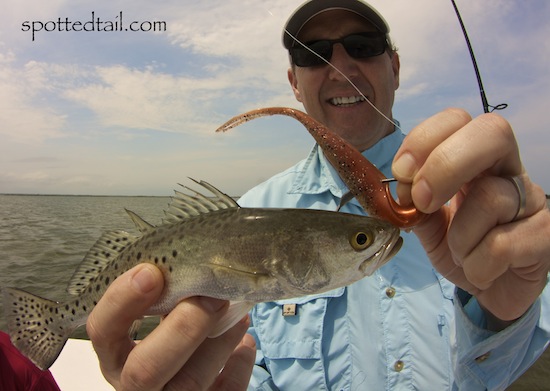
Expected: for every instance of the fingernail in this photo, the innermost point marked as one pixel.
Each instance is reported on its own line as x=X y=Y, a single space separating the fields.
x=211 y=304
x=144 y=280
x=404 y=167
x=422 y=195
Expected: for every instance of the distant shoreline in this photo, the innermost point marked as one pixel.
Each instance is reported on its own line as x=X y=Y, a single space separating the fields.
x=99 y=195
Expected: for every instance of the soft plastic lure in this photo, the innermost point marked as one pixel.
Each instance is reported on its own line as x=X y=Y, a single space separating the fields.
x=365 y=182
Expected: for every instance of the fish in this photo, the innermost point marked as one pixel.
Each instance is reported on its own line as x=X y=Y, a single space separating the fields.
x=365 y=181
x=209 y=246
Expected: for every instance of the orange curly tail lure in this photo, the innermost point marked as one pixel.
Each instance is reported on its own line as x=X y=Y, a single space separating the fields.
x=369 y=186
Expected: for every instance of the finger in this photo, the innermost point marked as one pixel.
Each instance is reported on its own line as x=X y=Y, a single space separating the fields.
x=126 y=300
x=485 y=145
x=207 y=361
x=157 y=359
x=491 y=201
x=236 y=373
x=511 y=255
x=423 y=139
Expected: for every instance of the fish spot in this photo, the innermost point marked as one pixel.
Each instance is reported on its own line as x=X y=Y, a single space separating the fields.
x=163 y=259
x=138 y=256
x=107 y=279
x=174 y=253
x=171 y=269
x=156 y=260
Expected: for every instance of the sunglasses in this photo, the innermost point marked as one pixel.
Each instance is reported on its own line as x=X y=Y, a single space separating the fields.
x=359 y=45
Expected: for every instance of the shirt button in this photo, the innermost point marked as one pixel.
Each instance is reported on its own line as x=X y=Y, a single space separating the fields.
x=390 y=292
x=398 y=366
x=483 y=357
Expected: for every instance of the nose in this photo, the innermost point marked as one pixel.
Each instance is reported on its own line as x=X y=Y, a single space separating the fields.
x=343 y=62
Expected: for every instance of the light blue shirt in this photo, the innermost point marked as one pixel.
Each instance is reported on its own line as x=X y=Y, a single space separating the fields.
x=403 y=328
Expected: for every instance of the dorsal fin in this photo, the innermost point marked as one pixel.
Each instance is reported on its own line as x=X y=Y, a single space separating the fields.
x=107 y=248
x=142 y=225
x=184 y=205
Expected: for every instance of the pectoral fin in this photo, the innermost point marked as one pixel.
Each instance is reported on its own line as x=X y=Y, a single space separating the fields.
x=236 y=311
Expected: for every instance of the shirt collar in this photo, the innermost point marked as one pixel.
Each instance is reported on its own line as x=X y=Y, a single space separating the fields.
x=317 y=175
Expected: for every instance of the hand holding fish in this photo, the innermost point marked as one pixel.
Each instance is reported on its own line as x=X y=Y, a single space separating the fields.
x=488 y=240
x=178 y=352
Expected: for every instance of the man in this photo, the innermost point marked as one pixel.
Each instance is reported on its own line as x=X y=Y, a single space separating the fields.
x=461 y=304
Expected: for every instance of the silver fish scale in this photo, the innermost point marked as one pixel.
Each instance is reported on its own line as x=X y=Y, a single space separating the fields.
x=214 y=248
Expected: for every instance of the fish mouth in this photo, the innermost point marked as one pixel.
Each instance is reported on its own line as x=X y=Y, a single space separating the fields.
x=381 y=257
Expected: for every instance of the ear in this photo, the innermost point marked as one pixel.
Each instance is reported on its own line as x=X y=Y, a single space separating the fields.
x=395 y=67
x=293 y=80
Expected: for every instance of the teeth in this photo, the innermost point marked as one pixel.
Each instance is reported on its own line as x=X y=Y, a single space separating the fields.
x=343 y=100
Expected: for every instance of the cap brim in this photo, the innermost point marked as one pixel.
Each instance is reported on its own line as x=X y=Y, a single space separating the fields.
x=312 y=8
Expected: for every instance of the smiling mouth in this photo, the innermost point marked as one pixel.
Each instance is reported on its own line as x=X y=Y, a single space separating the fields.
x=343 y=101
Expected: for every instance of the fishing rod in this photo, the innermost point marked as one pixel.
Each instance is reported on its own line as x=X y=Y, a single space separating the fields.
x=486 y=106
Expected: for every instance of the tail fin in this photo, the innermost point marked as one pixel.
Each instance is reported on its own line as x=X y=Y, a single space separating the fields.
x=35 y=326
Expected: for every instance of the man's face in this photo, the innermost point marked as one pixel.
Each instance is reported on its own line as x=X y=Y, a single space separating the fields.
x=320 y=87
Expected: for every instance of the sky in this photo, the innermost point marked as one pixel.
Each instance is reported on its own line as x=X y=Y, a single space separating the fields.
x=134 y=113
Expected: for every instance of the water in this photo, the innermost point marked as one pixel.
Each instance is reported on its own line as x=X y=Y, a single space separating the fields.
x=44 y=238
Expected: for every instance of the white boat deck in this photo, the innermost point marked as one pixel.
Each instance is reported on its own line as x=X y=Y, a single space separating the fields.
x=77 y=368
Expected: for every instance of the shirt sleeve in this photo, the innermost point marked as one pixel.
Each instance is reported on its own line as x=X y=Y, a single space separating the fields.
x=486 y=360
x=45 y=382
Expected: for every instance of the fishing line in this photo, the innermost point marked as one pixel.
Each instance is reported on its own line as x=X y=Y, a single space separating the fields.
x=487 y=108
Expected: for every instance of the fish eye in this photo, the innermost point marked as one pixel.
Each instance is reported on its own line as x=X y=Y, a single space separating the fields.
x=361 y=240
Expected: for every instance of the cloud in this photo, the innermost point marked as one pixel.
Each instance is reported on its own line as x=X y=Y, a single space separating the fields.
x=23 y=116
x=150 y=102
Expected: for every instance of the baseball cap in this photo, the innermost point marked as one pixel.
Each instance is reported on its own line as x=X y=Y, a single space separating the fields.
x=312 y=8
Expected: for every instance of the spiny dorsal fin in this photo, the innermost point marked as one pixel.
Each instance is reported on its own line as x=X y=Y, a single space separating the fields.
x=107 y=248
x=142 y=225
x=184 y=206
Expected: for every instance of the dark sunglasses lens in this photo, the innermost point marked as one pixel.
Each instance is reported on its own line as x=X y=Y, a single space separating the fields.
x=303 y=57
x=357 y=46
x=360 y=46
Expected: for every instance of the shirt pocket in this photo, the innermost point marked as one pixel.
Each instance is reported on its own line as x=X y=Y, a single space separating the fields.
x=293 y=344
